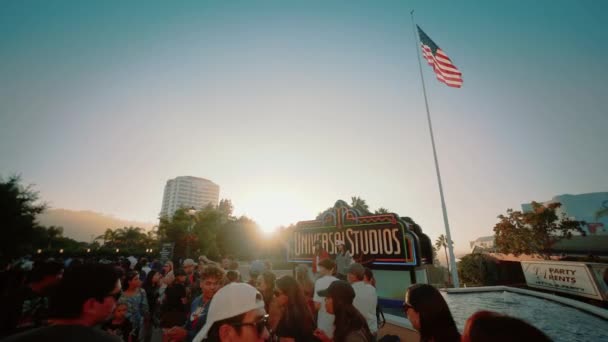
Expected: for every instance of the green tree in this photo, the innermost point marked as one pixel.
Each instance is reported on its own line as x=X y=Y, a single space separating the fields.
x=477 y=270
x=53 y=234
x=359 y=204
x=534 y=232
x=18 y=209
x=226 y=207
x=381 y=211
x=442 y=242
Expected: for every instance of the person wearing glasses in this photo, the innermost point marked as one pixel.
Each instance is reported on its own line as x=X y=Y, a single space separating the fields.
x=428 y=312
x=236 y=314
x=296 y=323
x=85 y=298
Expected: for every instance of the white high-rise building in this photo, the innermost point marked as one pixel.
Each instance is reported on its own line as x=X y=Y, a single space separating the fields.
x=187 y=192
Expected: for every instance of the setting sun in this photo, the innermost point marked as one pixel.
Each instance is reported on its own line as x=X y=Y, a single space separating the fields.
x=272 y=209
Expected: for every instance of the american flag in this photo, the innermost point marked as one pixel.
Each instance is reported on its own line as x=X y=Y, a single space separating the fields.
x=445 y=70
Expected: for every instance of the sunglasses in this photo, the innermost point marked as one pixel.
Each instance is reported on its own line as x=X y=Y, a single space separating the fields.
x=259 y=325
x=406 y=306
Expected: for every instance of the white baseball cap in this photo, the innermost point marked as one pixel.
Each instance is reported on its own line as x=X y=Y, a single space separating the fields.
x=231 y=300
x=189 y=262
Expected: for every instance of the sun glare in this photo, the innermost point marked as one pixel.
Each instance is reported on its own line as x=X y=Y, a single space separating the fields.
x=274 y=209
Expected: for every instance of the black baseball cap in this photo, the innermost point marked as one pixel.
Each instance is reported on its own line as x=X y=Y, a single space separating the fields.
x=339 y=289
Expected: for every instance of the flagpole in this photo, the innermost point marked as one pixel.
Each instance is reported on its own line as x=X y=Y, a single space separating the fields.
x=443 y=207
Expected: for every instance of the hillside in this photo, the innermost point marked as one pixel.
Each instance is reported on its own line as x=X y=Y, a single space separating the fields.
x=85 y=225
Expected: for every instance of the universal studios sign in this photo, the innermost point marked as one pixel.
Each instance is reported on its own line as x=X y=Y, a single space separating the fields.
x=384 y=241
x=574 y=278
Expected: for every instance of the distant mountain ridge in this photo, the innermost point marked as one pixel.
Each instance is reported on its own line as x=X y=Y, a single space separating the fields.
x=83 y=225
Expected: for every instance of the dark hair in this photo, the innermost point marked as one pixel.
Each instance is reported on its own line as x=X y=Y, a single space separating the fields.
x=148 y=282
x=128 y=277
x=347 y=317
x=79 y=284
x=436 y=322
x=44 y=269
x=297 y=314
x=212 y=271
x=234 y=266
x=214 y=331
x=232 y=276
x=488 y=326
x=269 y=279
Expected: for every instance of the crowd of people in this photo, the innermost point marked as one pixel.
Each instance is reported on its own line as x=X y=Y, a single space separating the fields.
x=141 y=301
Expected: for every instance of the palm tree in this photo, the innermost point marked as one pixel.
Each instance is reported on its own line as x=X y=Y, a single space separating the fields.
x=108 y=237
x=53 y=233
x=442 y=242
x=131 y=236
x=359 y=204
x=381 y=211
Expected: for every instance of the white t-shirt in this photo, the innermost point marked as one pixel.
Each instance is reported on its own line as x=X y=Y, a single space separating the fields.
x=325 y=321
x=365 y=301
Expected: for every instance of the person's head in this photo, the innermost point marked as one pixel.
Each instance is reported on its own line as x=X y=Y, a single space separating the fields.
x=188 y=266
x=120 y=311
x=211 y=281
x=287 y=291
x=486 y=326
x=168 y=267
x=236 y=313
x=180 y=276
x=46 y=274
x=232 y=276
x=428 y=312
x=265 y=282
x=302 y=275
x=339 y=298
x=338 y=295
x=234 y=265
x=369 y=277
x=132 y=281
x=326 y=267
x=152 y=278
x=290 y=296
x=355 y=273
x=255 y=269
x=226 y=261
x=340 y=246
x=87 y=293
x=268 y=265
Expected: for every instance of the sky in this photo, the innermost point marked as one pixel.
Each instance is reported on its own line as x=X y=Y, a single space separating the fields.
x=292 y=105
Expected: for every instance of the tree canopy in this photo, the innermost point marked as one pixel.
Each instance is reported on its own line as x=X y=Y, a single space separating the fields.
x=534 y=232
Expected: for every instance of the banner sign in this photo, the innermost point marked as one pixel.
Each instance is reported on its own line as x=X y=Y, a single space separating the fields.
x=382 y=240
x=568 y=277
x=166 y=252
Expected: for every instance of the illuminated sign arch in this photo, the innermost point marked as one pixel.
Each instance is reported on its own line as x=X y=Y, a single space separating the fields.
x=384 y=241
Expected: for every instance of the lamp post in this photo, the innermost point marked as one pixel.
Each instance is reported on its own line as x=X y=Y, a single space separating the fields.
x=192 y=213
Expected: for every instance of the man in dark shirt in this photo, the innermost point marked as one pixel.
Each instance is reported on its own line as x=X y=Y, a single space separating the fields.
x=85 y=298
x=34 y=303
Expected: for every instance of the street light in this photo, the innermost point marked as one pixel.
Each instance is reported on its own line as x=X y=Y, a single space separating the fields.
x=61 y=251
x=117 y=250
x=88 y=250
x=39 y=251
x=192 y=213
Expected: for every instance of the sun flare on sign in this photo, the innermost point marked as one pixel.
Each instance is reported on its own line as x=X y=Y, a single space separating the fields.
x=272 y=209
